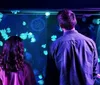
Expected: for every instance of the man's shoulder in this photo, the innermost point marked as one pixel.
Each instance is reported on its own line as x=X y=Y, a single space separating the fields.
x=54 y=43
x=85 y=37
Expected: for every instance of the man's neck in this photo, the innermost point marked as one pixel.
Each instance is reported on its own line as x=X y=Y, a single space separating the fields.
x=64 y=30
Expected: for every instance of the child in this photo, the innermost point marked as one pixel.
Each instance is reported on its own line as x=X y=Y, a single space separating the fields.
x=13 y=69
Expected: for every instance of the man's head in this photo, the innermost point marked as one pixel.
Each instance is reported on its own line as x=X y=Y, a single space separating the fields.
x=66 y=19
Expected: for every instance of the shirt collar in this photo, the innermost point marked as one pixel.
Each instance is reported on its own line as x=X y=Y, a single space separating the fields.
x=70 y=32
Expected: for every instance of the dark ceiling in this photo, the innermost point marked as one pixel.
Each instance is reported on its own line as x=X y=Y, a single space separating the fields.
x=49 y=4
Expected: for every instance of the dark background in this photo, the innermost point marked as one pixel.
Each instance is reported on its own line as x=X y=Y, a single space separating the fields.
x=48 y=4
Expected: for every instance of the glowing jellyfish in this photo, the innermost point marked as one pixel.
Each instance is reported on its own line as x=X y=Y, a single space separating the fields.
x=98 y=21
x=16 y=34
x=15 y=11
x=4 y=34
x=3 y=31
x=0 y=20
x=33 y=39
x=24 y=23
x=35 y=71
x=38 y=24
x=8 y=30
x=25 y=49
x=5 y=37
x=40 y=76
x=1 y=15
x=30 y=35
x=47 y=14
x=45 y=52
x=43 y=46
x=23 y=36
x=53 y=37
x=28 y=56
x=98 y=60
x=41 y=82
x=1 y=43
x=60 y=29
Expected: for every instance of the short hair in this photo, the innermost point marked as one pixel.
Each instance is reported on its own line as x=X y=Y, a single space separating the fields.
x=66 y=19
x=12 y=57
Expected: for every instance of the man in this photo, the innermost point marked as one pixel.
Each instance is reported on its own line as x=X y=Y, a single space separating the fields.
x=72 y=58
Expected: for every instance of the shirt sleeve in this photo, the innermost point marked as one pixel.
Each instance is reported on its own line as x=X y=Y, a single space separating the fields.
x=95 y=62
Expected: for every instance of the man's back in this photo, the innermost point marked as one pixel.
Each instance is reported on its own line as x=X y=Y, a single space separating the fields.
x=75 y=57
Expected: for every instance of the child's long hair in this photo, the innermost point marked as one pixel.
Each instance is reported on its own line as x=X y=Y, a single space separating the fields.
x=12 y=57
